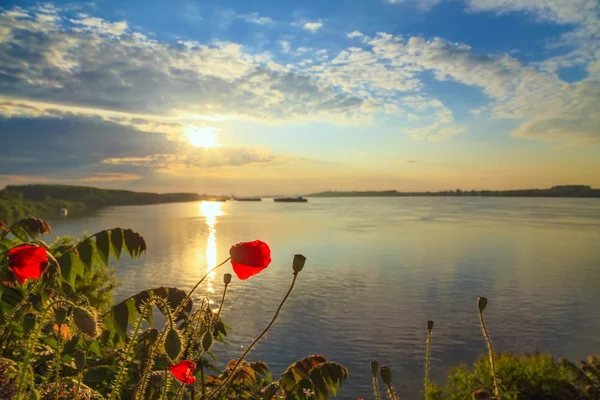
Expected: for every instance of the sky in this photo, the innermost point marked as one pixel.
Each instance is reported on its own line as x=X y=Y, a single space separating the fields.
x=298 y=96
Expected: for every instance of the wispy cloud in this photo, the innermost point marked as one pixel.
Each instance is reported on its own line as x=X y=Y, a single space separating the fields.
x=312 y=26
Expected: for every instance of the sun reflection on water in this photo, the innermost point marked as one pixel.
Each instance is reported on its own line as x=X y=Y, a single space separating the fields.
x=211 y=210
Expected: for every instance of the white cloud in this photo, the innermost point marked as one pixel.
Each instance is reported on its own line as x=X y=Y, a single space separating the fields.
x=255 y=18
x=313 y=26
x=583 y=15
x=424 y=5
x=354 y=34
x=85 y=65
x=285 y=46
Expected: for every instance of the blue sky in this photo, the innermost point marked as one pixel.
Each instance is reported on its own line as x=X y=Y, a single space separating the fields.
x=299 y=96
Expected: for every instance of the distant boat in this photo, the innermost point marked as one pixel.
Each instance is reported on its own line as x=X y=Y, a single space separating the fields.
x=247 y=199
x=64 y=212
x=298 y=199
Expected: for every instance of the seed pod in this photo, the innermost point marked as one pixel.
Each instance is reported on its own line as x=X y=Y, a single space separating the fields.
x=482 y=303
x=429 y=325
x=386 y=375
x=298 y=263
x=28 y=323
x=207 y=341
x=60 y=315
x=152 y=335
x=80 y=360
x=374 y=367
x=227 y=279
x=173 y=344
x=86 y=322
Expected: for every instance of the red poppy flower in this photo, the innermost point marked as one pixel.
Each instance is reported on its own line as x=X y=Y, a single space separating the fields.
x=184 y=371
x=249 y=258
x=27 y=262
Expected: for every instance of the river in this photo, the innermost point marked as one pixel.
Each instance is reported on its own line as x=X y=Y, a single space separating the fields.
x=377 y=269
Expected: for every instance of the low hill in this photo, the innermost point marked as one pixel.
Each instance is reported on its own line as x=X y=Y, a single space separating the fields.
x=17 y=201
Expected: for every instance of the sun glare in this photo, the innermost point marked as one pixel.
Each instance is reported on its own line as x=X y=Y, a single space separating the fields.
x=201 y=137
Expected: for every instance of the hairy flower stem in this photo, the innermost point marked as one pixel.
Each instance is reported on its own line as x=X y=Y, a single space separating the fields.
x=179 y=391
x=427 y=364
x=25 y=300
x=376 y=388
x=128 y=349
x=227 y=380
x=391 y=392
x=57 y=362
x=33 y=337
x=163 y=395
x=203 y=388
x=79 y=377
x=220 y=305
x=141 y=389
x=491 y=355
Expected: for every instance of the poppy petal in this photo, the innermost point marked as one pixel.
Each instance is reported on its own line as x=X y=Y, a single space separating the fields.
x=27 y=262
x=184 y=371
x=249 y=258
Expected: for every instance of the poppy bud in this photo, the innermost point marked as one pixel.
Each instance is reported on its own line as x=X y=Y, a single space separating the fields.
x=386 y=375
x=86 y=322
x=28 y=323
x=227 y=278
x=80 y=361
x=60 y=315
x=482 y=303
x=207 y=341
x=298 y=263
x=153 y=335
x=374 y=367
x=429 y=325
x=173 y=344
x=34 y=395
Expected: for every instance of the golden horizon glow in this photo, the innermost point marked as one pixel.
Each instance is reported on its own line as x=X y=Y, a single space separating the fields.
x=211 y=210
x=201 y=136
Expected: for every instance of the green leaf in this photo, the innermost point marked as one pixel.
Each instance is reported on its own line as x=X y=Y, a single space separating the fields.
x=134 y=243
x=94 y=347
x=207 y=341
x=116 y=238
x=118 y=316
x=103 y=245
x=86 y=253
x=71 y=267
x=99 y=374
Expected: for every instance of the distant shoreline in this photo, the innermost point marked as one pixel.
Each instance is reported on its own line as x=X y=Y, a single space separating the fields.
x=573 y=191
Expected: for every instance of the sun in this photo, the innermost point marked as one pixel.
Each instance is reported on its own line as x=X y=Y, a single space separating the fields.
x=201 y=137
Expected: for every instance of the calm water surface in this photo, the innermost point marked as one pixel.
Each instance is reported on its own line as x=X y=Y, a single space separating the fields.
x=377 y=269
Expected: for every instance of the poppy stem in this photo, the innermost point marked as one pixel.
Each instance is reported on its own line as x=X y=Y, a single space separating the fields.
x=427 y=364
x=189 y=295
x=491 y=355
x=163 y=396
x=18 y=307
x=129 y=348
x=57 y=361
x=33 y=337
x=179 y=391
x=226 y=382
x=79 y=377
x=222 y=301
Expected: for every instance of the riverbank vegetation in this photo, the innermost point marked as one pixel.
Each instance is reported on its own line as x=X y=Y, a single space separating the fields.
x=555 y=191
x=19 y=201
x=61 y=336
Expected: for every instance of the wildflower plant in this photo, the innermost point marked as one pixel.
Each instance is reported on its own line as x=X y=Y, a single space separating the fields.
x=63 y=345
